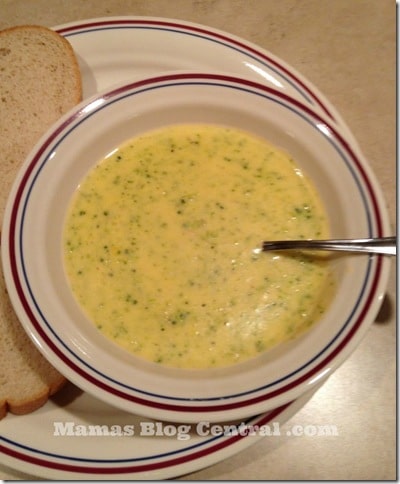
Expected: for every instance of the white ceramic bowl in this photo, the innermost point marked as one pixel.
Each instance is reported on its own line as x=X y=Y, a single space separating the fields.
x=39 y=290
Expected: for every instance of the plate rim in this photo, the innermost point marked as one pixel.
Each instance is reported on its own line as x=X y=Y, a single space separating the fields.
x=68 y=29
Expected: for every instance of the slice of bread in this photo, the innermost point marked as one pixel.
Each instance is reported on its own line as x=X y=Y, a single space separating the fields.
x=39 y=81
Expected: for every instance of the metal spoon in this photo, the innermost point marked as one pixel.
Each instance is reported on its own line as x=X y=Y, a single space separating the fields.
x=383 y=245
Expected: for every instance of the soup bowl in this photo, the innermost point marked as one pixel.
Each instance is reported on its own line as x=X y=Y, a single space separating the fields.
x=33 y=258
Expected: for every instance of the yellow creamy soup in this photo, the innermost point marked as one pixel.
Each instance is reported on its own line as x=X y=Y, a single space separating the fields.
x=160 y=239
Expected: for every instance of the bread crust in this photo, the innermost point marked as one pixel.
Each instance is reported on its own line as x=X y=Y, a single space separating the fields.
x=15 y=144
x=19 y=407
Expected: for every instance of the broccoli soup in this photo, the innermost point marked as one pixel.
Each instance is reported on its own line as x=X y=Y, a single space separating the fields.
x=160 y=246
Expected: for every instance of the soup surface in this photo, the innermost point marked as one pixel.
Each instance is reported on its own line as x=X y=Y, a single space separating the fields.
x=160 y=247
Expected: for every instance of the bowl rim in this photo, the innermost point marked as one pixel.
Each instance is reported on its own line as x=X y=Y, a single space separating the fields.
x=166 y=406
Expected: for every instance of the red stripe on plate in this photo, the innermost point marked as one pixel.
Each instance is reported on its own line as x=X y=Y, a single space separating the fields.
x=225 y=442
x=201 y=30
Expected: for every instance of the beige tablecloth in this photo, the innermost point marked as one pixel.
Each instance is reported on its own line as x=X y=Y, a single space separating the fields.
x=347 y=49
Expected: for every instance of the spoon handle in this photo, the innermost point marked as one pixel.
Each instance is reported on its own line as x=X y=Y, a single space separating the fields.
x=383 y=245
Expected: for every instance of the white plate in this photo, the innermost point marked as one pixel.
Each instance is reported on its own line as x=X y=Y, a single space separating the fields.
x=112 y=50
x=121 y=49
x=30 y=445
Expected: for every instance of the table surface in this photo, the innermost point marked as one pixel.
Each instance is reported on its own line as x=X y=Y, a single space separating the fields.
x=347 y=49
